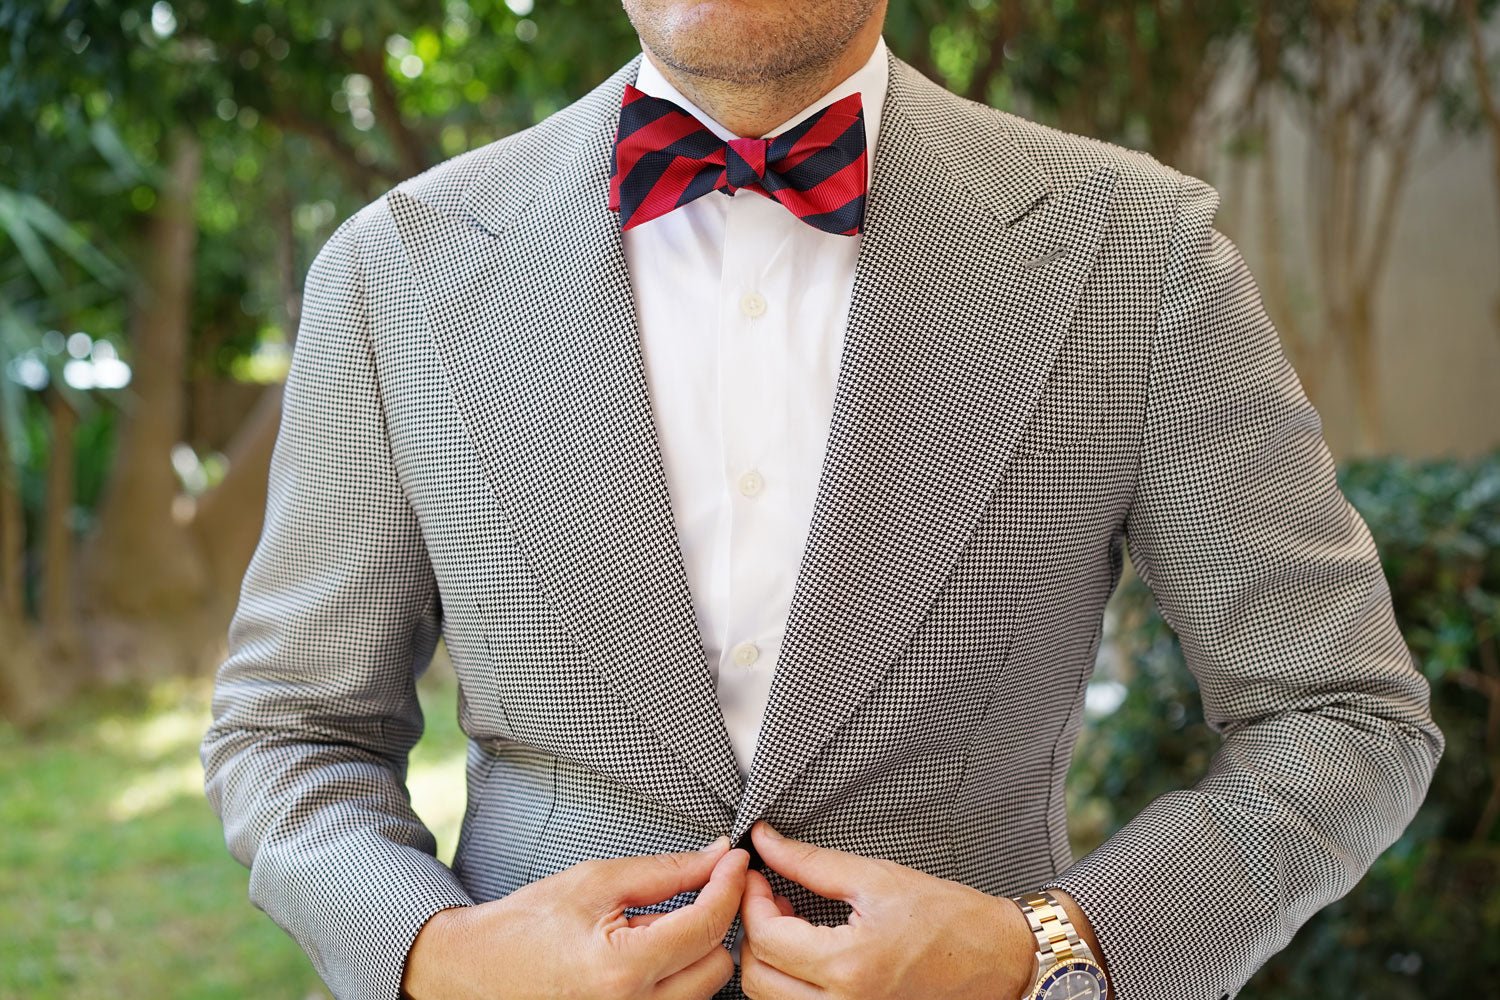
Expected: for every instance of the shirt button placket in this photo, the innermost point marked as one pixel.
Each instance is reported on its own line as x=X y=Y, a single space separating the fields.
x=746 y=364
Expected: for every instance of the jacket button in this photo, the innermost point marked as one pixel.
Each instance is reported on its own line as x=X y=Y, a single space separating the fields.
x=745 y=844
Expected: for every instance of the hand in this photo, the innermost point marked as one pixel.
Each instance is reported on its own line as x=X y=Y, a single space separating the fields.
x=910 y=935
x=566 y=937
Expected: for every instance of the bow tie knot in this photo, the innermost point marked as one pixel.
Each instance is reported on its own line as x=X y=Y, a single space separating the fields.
x=745 y=162
x=664 y=158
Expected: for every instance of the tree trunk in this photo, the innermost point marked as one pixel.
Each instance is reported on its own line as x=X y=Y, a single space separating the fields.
x=12 y=537
x=1489 y=104
x=142 y=562
x=228 y=521
x=30 y=685
x=1308 y=356
x=59 y=642
x=1365 y=374
x=23 y=689
x=230 y=516
x=56 y=605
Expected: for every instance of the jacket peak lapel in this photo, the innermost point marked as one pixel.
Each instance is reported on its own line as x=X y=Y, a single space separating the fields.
x=532 y=315
x=965 y=282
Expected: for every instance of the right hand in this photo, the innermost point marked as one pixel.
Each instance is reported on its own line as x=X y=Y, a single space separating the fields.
x=566 y=937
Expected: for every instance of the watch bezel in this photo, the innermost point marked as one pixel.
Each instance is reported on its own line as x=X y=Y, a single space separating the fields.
x=1055 y=972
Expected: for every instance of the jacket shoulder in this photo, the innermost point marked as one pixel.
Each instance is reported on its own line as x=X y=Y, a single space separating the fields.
x=1175 y=206
x=1071 y=156
x=442 y=186
x=1065 y=159
x=540 y=148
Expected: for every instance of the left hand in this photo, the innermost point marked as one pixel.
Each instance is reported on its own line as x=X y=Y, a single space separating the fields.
x=909 y=935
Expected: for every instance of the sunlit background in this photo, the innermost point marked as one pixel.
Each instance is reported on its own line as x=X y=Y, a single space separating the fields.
x=168 y=170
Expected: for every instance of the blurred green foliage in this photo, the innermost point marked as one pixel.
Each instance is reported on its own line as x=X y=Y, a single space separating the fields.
x=306 y=109
x=1425 y=919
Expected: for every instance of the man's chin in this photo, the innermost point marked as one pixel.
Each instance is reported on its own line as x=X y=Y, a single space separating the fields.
x=748 y=56
x=738 y=41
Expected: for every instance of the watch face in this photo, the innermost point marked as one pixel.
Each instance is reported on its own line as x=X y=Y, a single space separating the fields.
x=1075 y=980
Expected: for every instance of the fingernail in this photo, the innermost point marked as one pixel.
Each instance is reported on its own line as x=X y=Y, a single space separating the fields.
x=713 y=845
x=771 y=831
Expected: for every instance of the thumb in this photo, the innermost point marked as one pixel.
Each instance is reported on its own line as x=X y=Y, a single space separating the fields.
x=640 y=881
x=689 y=932
x=759 y=902
x=830 y=873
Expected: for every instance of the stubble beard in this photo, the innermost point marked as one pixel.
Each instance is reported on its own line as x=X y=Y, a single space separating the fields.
x=749 y=49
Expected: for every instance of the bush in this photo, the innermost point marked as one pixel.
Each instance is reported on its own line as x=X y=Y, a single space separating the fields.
x=1425 y=919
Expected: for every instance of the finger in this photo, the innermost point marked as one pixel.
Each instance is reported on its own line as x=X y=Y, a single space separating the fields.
x=783 y=904
x=784 y=941
x=703 y=978
x=830 y=873
x=683 y=936
x=640 y=881
x=763 y=981
x=643 y=919
x=757 y=894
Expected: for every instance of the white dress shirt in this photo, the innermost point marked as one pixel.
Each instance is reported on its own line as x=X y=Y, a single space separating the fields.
x=741 y=308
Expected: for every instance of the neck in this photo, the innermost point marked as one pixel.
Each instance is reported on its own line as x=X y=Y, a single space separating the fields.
x=754 y=109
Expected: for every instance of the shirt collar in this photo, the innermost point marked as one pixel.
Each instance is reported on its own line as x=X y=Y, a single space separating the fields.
x=869 y=81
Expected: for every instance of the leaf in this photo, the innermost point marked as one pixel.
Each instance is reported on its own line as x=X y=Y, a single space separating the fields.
x=67 y=237
x=107 y=141
x=16 y=226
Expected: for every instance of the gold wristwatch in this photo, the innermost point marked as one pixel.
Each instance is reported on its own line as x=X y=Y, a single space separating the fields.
x=1066 y=967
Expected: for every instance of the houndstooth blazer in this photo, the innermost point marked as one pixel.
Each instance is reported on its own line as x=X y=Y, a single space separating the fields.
x=1050 y=355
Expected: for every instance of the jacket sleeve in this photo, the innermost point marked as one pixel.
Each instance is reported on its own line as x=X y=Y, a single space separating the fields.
x=1272 y=583
x=314 y=706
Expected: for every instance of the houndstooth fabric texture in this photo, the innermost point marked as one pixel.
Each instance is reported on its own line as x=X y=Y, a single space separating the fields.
x=1051 y=354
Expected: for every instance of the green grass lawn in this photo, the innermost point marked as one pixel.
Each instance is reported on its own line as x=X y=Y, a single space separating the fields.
x=114 y=878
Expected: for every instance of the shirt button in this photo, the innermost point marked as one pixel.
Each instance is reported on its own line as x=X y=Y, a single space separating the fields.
x=745 y=654
x=753 y=304
x=751 y=483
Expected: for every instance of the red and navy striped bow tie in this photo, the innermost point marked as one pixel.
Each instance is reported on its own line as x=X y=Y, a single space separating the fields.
x=664 y=158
